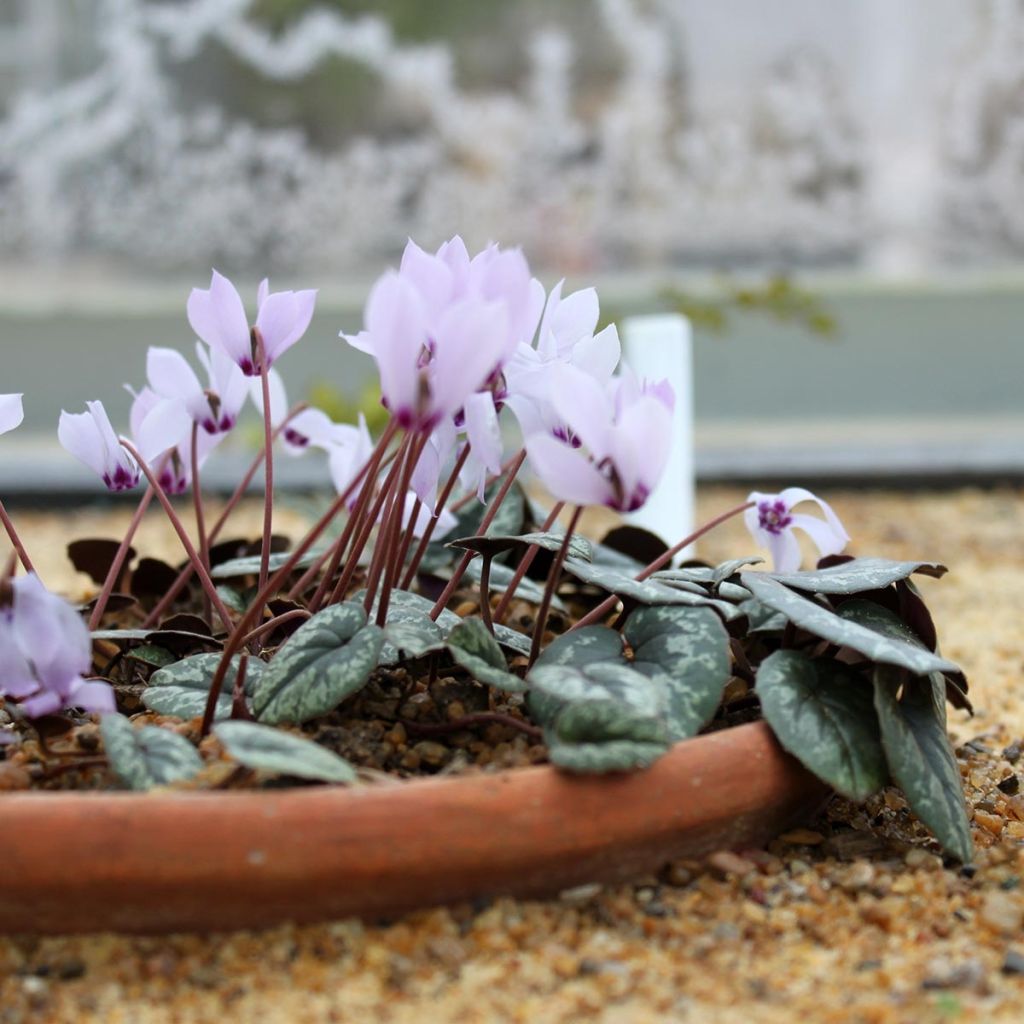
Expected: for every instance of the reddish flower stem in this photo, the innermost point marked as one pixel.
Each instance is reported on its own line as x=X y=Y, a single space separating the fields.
x=197 y=505
x=12 y=533
x=245 y=623
x=554 y=576
x=204 y=576
x=272 y=624
x=268 y=463
x=114 y=572
x=524 y=565
x=514 y=465
x=446 y=492
x=609 y=602
x=186 y=573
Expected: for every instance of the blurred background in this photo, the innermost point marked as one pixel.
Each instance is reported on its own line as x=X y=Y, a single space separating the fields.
x=833 y=193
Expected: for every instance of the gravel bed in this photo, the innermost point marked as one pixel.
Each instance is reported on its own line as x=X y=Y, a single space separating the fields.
x=853 y=917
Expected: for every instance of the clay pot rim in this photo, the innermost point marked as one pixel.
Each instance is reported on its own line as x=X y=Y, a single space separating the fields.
x=201 y=861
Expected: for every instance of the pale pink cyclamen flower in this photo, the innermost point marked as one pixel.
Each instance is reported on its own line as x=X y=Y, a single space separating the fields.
x=47 y=650
x=172 y=463
x=11 y=412
x=91 y=439
x=442 y=327
x=218 y=317
x=617 y=441
x=771 y=522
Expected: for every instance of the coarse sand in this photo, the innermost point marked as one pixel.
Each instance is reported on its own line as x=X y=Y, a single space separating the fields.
x=826 y=925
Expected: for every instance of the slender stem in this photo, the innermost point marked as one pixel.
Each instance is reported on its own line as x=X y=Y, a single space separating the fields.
x=272 y=624
x=186 y=573
x=237 y=635
x=204 y=576
x=598 y=613
x=527 y=560
x=355 y=519
x=485 y=592
x=238 y=708
x=268 y=464
x=446 y=492
x=114 y=572
x=394 y=551
x=554 y=576
x=514 y=465
x=197 y=505
x=369 y=520
x=12 y=533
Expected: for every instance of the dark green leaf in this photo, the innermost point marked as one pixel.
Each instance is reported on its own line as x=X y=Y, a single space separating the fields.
x=181 y=689
x=270 y=750
x=473 y=647
x=825 y=717
x=250 y=566
x=646 y=592
x=509 y=521
x=824 y=623
x=151 y=654
x=688 y=649
x=147 y=757
x=493 y=544
x=413 y=633
x=920 y=758
x=328 y=658
x=603 y=758
x=501 y=577
x=857 y=576
x=408 y=609
x=512 y=639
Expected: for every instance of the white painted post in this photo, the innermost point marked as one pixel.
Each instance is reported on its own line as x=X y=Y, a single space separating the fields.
x=659 y=347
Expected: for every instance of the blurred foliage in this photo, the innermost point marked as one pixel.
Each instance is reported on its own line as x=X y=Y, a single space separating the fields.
x=344 y=408
x=778 y=298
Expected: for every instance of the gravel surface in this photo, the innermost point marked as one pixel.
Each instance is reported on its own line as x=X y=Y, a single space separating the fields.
x=828 y=924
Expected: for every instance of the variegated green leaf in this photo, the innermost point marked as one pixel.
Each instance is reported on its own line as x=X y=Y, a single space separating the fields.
x=274 y=751
x=250 y=565
x=920 y=758
x=149 y=756
x=857 y=576
x=181 y=689
x=825 y=717
x=493 y=544
x=824 y=623
x=473 y=647
x=328 y=658
x=605 y=757
x=688 y=649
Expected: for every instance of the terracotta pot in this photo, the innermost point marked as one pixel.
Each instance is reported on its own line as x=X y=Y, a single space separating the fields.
x=75 y=862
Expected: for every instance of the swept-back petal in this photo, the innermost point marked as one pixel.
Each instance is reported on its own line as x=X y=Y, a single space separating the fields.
x=583 y=404
x=11 y=412
x=217 y=315
x=283 y=318
x=468 y=347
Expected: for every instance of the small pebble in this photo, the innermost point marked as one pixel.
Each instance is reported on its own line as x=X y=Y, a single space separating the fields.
x=802 y=837
x=918 y=858
x=991 y=823
x=1013 y=962
x=1010 y=785
x=725 y=863
x=1003 y=912
x=1012 y=752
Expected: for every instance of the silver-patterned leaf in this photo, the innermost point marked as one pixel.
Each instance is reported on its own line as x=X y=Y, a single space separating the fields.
x=603 y=758
x=149 y=756
x=405 y=607
x=825 y=717
x=857 y=576
x=182 y=689
x=501 y=577
x=643 y=592
x=512 y=639
x=508 y=522
x=328 y=658
x=473 y=647
x=496 y=544
x=250 y=565
x=920 y=758
x=276 y=752
x=824 y=623
x=688 y=648
x=413 y=634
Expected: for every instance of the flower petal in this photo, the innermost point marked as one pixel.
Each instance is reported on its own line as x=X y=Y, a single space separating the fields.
x=11 y=412
x=468 y=343
x=826 y=538
x=566 y=472
x=218 y=317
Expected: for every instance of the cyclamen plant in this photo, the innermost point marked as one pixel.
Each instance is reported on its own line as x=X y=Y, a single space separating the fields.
x=606 y=659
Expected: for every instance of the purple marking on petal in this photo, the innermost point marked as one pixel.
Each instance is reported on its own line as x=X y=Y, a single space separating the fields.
x=293 y=437
x=209 y=425
x=773 y=516
x=248 y=367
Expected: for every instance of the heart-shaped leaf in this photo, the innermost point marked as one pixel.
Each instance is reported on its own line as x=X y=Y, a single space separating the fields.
x=265 y=749
x=688 y=650
x=857 y=575
x=182 y=689
x=490 y=544
x=413 y=634
x=824 y=623
x=512 y=639
x=501 y=577
x=643 y=592
x=151 y=654
x=473 y=647
x=328 y=658
x=147 y=757
x=825 y=717
x=920 y=758
x=408 y=609
x=605 y=757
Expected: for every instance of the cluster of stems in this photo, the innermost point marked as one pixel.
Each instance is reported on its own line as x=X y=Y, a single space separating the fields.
x=375 y=500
